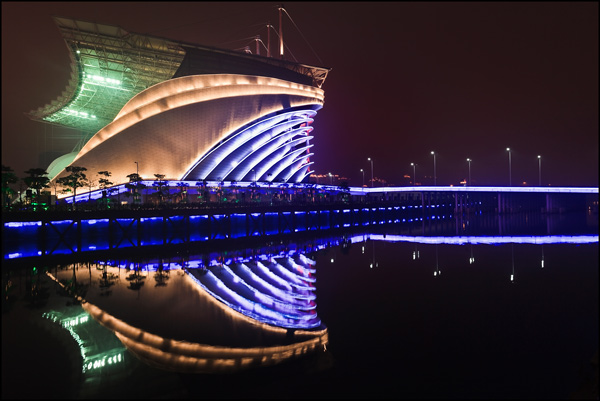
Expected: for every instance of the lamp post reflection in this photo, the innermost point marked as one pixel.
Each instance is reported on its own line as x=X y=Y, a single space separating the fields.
x=373 y=262
x=542 y=256
x=416 y=254
x=471 y=259
x=512 y=251
x=437 y=271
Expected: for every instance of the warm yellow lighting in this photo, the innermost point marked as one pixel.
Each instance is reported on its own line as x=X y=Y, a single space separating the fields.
x=177 y=93
x=202 y=358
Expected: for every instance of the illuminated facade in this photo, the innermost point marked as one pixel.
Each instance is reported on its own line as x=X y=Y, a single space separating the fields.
x=154 y=106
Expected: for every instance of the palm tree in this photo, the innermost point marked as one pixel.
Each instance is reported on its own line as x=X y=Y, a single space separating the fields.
x=159 y=184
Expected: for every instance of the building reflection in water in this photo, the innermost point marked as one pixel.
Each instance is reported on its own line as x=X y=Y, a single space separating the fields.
x=224 y=311
x=205 y=315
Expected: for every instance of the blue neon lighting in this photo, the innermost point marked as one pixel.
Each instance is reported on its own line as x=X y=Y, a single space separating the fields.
x=493 y=240
x=23 y=224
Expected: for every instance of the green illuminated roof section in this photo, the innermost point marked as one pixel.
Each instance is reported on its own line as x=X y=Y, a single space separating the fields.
x=109 y=66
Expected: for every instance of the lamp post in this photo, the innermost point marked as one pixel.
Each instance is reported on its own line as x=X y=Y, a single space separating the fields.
x=369 y=159
x=414 y=173
x=137 y=172
x=363 y=174
x=330 y=179
x=469 y=161
x=540 y=170
x=509 y=169
x=434 y=173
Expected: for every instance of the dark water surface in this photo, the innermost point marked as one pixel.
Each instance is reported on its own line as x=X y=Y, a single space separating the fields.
x=417 y=318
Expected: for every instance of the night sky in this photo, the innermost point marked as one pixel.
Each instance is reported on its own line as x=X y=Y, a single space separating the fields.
x=466 y=80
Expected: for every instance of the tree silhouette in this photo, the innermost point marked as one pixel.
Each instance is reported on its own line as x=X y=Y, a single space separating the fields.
x=90 y=183
x=182 y=187
x=345 y=188
x=159 y=184
x=55 y=184
x=74 y=180
x=37 y=179
x=135 y=184
x=104 y=183
x=8 y=177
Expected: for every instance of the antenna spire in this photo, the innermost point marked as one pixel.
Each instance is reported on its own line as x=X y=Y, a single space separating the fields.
x=280 y=33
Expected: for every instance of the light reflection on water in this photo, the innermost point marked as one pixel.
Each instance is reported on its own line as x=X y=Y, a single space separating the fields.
x=412 y=312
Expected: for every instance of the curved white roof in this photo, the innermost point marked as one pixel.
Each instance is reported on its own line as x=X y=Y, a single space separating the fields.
x=213 y=127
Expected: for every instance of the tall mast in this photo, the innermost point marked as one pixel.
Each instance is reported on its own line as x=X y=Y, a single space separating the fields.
x=269 y=40
x=257 y=39
x=280 y=34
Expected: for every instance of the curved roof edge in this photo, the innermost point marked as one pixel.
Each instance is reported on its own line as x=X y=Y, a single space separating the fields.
x=59 y=164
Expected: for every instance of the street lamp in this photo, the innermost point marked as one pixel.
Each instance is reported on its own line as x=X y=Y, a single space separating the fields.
x=509 y=169
x=414 y=173
x=330 y=179
x=469 y=161
x=369 y=159
x=363 y=174
x=540 y=170
x=434 y=173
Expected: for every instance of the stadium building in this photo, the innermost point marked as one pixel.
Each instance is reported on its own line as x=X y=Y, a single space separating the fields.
x=150 y=105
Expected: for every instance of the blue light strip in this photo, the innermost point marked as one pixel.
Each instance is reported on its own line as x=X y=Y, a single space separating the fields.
x=266 y=272
x=237 y=284
x=352 y=190
x=246 y=274
x=19 y=224
x=573 y=190
x=295 y=280
x=287 y=160
x=279 y=133
x=305 y=271
x=223 y=159
x=300 y=162
x=247 y=307
x=493 y=240
x=242 y=136
x=245 y=165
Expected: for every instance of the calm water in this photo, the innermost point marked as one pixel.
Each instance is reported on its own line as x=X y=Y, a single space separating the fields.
x=430 y=310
